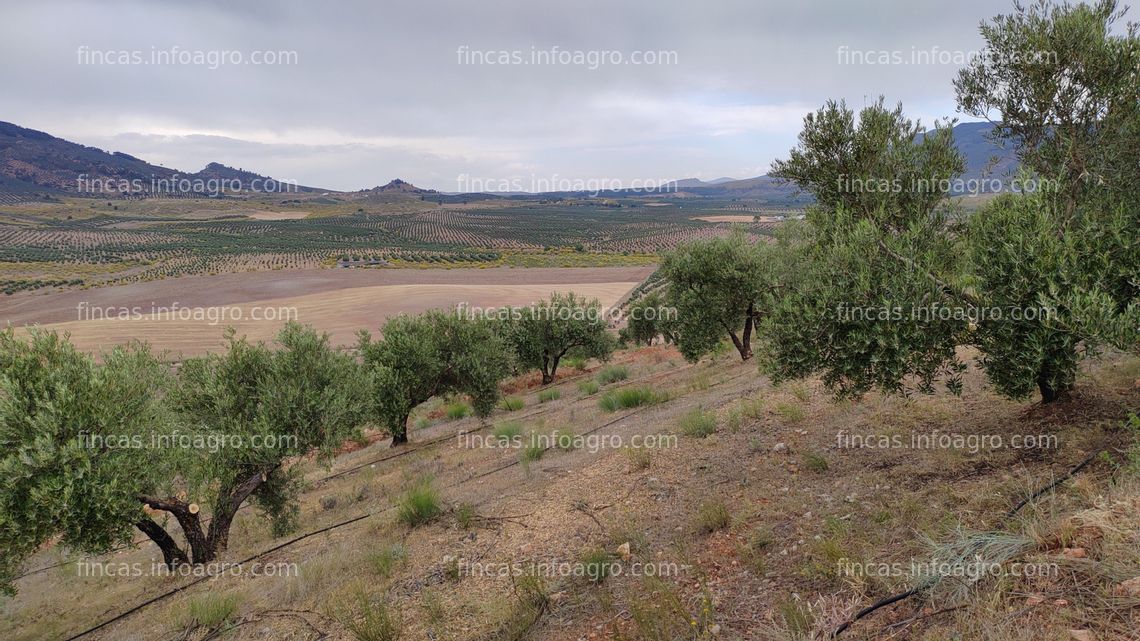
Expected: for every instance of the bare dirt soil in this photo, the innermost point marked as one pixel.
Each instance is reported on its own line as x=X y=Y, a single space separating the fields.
x=187 y=315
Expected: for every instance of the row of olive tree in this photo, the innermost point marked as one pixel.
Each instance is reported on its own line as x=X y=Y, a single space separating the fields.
x=92 y=449
x=887 y=278
x=439 y=353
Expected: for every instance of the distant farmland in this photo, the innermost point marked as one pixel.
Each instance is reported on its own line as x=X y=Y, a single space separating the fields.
x=81 y=243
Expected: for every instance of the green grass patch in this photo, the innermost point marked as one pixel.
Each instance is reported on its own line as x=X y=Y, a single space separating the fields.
x=465 y=515
x=507 y=431
x=512 y=403
x=626 y=398
x=564 y=440
x=457 y=410
x=711 y=516
x=577 y=363
x=698 y=423
x=419 y=505
x=640 y=458
x=790 y=413
x=597 y=564
x=211 y=610
x=532 y=453
x=548 y=395
x=372 y=622
x=612 y=374
x=387 y=558
x=815 y=462
x=586 y=388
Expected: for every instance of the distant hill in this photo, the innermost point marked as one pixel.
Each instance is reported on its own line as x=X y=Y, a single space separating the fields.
x=401 y=186
x=985 y=160
x=34 y=161
x=697 y=182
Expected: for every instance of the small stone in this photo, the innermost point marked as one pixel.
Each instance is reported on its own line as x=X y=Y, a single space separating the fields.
x=1081 y=635
x=1035 y=599
x=623 y=551
x=1131 y=587
x=714 y=629
x=1074 y=553
x=780 y=447
x=1060 y=602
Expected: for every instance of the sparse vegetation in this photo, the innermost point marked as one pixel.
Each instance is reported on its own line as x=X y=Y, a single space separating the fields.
x=712 y=515
x=387 y=558
x=372 y=621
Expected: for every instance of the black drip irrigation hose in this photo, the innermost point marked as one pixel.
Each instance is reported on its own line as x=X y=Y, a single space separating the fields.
x=913 y=591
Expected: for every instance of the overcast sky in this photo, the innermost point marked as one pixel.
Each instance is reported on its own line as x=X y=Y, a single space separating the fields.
x=369 y=90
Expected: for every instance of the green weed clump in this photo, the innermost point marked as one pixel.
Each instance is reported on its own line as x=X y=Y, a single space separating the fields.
x=629 y=397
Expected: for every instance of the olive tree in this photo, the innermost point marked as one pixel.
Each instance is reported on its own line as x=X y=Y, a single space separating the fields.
x=647 y=318
x=248 y=411
x=434 y=353
x=716 y=288
x=1061 y=84
x=543 y=333
x=876 y=260
x=1016 y=256
x=72 y=439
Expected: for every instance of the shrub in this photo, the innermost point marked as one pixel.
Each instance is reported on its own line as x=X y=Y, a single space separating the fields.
x=564 y=440
x=639 y=458
x=512 y=403
x=419 y=505
x=801 y=392
x=627 y=398
x=613 y=374
x=698 y=423
x=752 y=408
x=549 y=395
